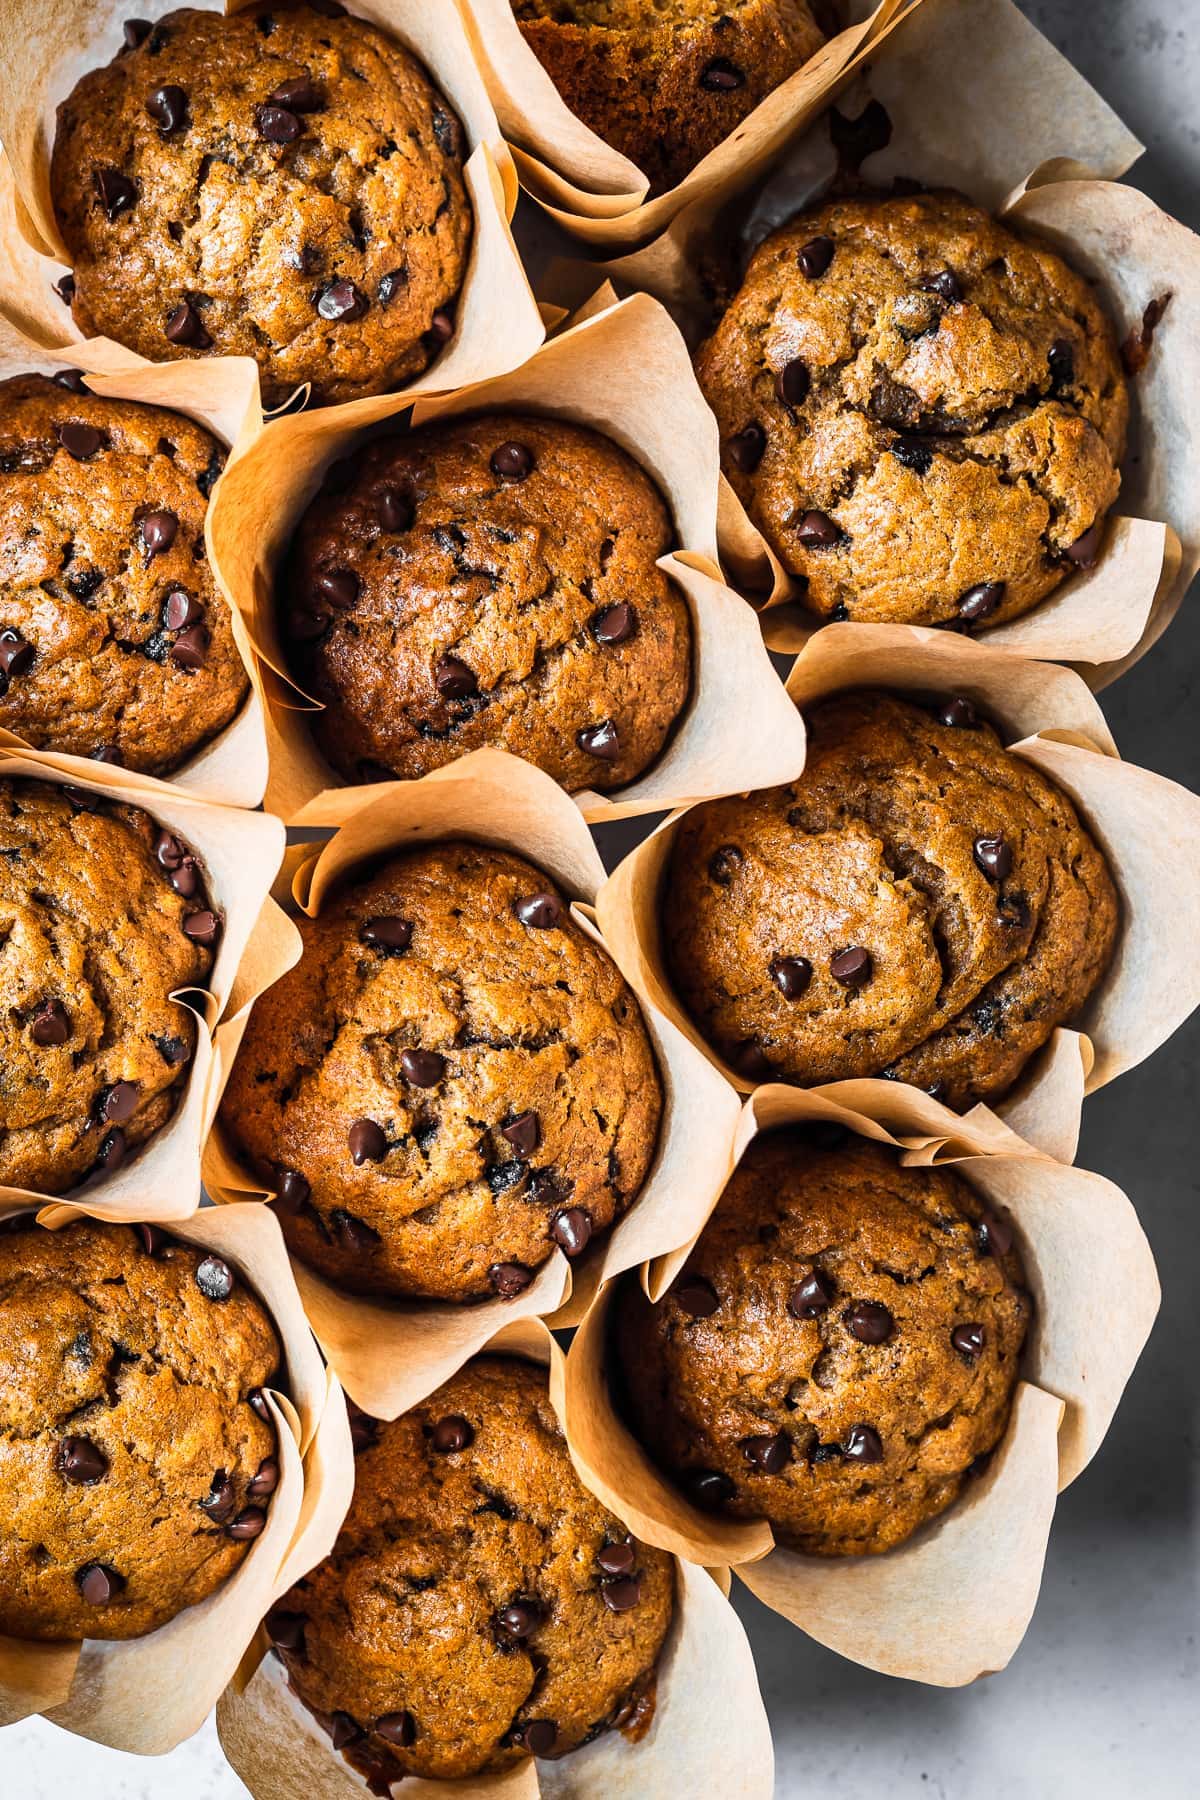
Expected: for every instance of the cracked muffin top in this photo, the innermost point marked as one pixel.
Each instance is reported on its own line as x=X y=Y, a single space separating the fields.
x=285 y=184
x=114 y=641
x=103 y=916
x=667 y=83
x=919 y=904
x=490 y=581
x=136 y=1449
x=480 y=1605
x=923 y=412
x=452 y=1081
x=839 y=1350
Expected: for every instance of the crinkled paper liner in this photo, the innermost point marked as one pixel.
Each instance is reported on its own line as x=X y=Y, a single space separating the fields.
x=1147 y=826
x=46 y=45
x=240 y=852
x=954 y=1601
x=624 y=370
x=388 y=1356
x=147 y=1694
x=597 y=194
x=709 y=1734
x=981 y=60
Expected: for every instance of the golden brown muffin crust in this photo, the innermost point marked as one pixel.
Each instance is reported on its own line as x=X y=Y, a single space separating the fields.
x=479 y=1603
x=134 y=1470
x=490 y=581
x=285 y=184
x=923 y=412
x=840 y=1348
x=984 y=910
x=451 y=1028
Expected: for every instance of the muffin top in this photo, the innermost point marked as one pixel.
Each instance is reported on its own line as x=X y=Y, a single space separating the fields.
x=285 y=184
x=480 y=1605
x=665 y=84
x=923 y=412
x=114 y=641
x=136 y=1456
x=920 y=904
x=452 y=1081
x=839 y=1350
x=490 y=581
x=104 y=916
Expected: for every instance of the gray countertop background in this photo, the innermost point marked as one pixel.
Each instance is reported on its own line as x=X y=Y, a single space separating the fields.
x=1101 y=1699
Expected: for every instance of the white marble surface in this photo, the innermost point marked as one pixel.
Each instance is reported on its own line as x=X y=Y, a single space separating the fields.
x=1101 y=1700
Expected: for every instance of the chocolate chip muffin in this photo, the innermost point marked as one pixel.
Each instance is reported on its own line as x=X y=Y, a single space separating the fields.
x=136 y=1449
x=665 y=84
x=923 y=412
x=452 y=1081
x=286 y=184
x=114 y=641
x=103 y=916
x=479 y=1605
x=839 y=1351
x=920 y=904
x=490 y=581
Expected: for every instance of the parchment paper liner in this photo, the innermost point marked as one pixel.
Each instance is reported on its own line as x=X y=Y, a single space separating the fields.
x=46 y=45
x=625 y=371
x=598 y=194
x=147 y=1694
x=1029 y=110
x=709 y=1733
x=954 y=1601
x=240 y=852
x=1147 y=826
x=388 y=1355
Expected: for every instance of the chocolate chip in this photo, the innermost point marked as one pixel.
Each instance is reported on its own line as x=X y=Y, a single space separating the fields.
x=792 y=382
x=394 y=510
x=771 y=1454
x=51 y=1024
x=214 y=1278
x=621 y=1594
x=278 y=125
x=78 y=440
x=968 y=1340
x=70 y=378
x=203 y=928
x=180 y=610
x=256 y=1400
x=945 y=284
x=447 y=133
x=441 y=326
x=159 y=530
x=863 y=1444
x=1012 y=910
x=617 y=1559
x=751 y=1060
x=571 y=1230
x=993 y=856
x=111 y=1153
x=723 y=864
x=367 y=1142
x=995 y=1235
x=1085 y=551
x=454 y=680
x=524 y=1133
x=869 y=1322
x=746 y=448
x=791 y=975
x=856 y=139
x=81 y=1462
x=708 y=1487
x=64 y=287
x=119 y=1102
x=980 y=602
x=387 y=932
x=603 y=741
x=135 y=32
x=545 y=1188
x=815 y=257
x=817 y=531
x=341 y=586
x=250 y=1523
x=452 y=1433
x=852 y=968
x=1061 y=359
x=117 y=193
x=16 y=654
x=542 y=912
x=422 y=1068
x=265 y=1481
x=720 y=76
x=294 y=1191
x=615 y=624
x=397 y=1728
x=99 y=1583
x=299 y=95
x=191 y=647
x=343 y=1730
x=167 y=106
x=286 y=1629
x=539 y=1736
x=186 y=327
x=697 y=1297
x=154 y=1239
x=811 y=1296
x=341 y=303
x=959 y=714
x=913 y=454
x=520 y=1620
x=510 y=1279
x=512 y=462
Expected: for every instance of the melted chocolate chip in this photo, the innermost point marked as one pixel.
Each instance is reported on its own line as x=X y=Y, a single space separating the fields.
x=509 y=1279
x=617 y=1559
x=167 y=106
x=720 y=76
x=603 y=741
x=959 y=714
x=99 y=1583
x=542 y=912
x=422 y=1068
x=186 y=327
x=250 y=1523
x=771 y=1454
x=524 y=1133
x=299 y=95
x=792 y=382
x=452 y=1433
x=388 y=933
x=993 y=857
x=81 y=1462
x=203 y=928
x=968 y=1340
x=791 y=975
x=817 y=531
x=869 y=1322
x=277 y=124
x=1085 y=551
x=815 y=257
x=746 y=448
x=50 y=1025
x=286 y=1629
x=342 y=303
x=78 y=440
x=397 y=1728
x=708 y=1487
x=852 y=968
x=811 y=1296
x=340 y=586
x=512 y=462
x=621 y=1594
x=571 y=1230
x=367 y=1142
x=519 y=1620
x=980 y=602
x=615 y=624
x=913 y=454
x=945 y=284
x=696 y=1296
x=117 y=193
x=158 y=531
x=454 y=680
x=863 y=1445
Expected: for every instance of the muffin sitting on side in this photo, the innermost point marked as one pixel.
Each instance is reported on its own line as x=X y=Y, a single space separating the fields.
x=285 y=184
x=839 y=1351
x=490 y=581
x=136 y=1451
x=479 y=1606
x=924 y=413
x=453 y=1081
x=920 y=904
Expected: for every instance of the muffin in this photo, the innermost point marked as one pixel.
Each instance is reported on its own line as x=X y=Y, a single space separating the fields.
x=665 y=84
x=114 y=641
x=285 y=184
x=136 y=1450
x=452 y=1081
x=104 y=916
x=479 y=1605
x=919 y=904
x=840 y=1349
x=490 y=581
x=923 y=412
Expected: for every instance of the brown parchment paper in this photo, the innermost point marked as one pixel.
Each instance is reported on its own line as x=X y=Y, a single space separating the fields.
x=1148 y=827
x=954 y=1601
x=709 y=1733
x=625 y=371
x=46 y=45
x=389 y=1355
x=147 y=1694
x=240 y=852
